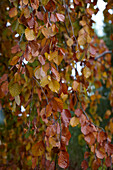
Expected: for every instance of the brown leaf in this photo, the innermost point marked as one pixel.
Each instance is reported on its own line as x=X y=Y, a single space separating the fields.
x=90 y=139
x=57 y=104
x=56 y=73
x=3 y=78
x=4 y=87
x=101 y=136
x=63 y=159
x=14 y=60
x=75 y=85
x=38 y=149
x=100 y=154
x=66 y=116
x=13 y=12
x=84 y=165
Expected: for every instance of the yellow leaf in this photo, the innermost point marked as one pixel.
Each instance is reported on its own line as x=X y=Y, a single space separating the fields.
x=69 y=42
x=86 y=72
x=15 y=89
x=74 y=121
x=28 y=146
x=82 y=40
x=54 y=86
x=51 y=56
x=17 y=100
x=44 y=81
x=57 y=59
x=64 y=96
x=29 y=33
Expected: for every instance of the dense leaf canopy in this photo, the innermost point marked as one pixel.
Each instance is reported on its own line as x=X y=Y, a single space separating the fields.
x=52 y=72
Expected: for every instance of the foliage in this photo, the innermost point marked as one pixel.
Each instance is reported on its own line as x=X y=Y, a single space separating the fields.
x=45 y=42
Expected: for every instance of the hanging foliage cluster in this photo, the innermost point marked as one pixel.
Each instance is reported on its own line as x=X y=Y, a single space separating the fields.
x=50 y=61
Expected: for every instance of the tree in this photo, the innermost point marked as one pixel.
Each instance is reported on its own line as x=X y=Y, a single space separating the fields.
x=44 y=43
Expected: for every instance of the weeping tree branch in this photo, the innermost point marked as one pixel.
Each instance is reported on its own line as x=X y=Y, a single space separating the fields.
x=41 y=89
x=103 y=54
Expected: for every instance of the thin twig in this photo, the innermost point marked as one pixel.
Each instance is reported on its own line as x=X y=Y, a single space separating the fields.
x=103 y=54
x=41 y=89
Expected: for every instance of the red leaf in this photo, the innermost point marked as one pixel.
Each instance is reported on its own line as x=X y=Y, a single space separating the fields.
x=84 y=164
x=63 y=159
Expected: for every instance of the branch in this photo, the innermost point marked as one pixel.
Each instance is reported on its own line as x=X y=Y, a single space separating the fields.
x=41 y=89
x=103 y=54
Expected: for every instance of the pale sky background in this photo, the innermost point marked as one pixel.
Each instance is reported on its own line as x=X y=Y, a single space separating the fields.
x=99 y=18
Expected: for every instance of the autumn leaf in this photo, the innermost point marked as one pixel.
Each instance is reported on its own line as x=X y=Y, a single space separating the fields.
x=70 y=42
x=90 y=139
x=13 y=12
x=86 y=72
x=14 y=60
x=63 y=159
x=74 y=121
x=75 y=85
x=15 y=89
x=47 y=32
x=17 y=100
x=52 y=55
x=61 y=17
x=54 y=85
x=38 y=149
x=84 y=165
x=29 y=34
x=66 y=116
